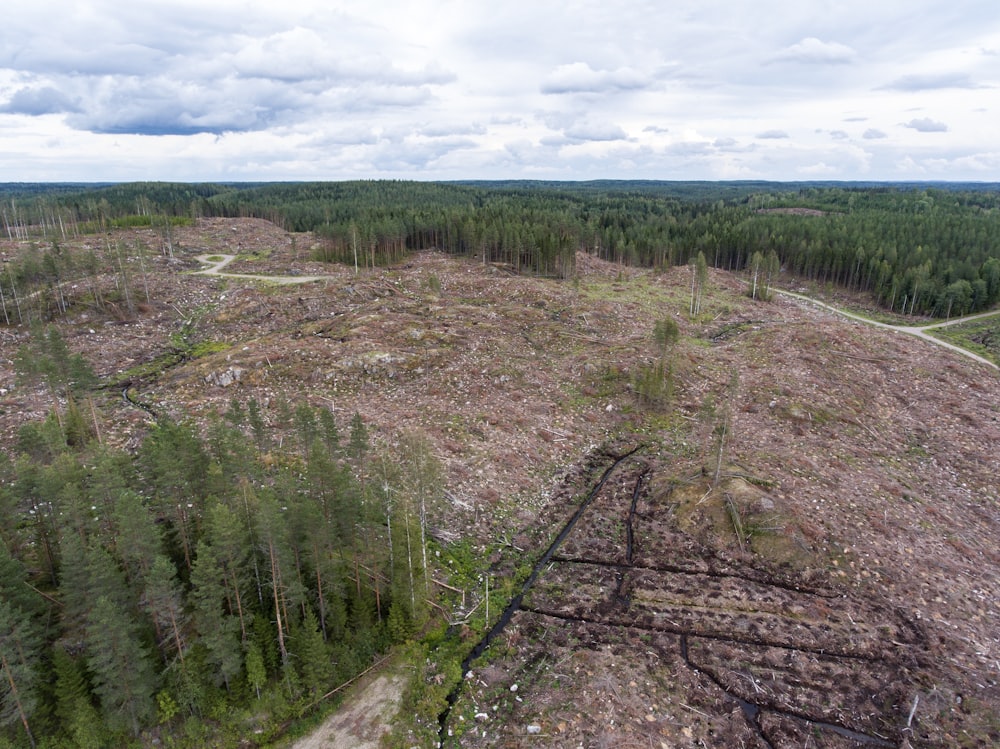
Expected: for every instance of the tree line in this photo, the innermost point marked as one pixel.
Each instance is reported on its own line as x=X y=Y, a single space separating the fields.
x=208 y=576
x=917 y=249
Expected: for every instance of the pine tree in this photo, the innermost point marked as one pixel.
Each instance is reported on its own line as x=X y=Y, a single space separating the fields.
x=699 y=277
x=164 y=601
x=232 y=538
x=278 y=569
x=305 y=426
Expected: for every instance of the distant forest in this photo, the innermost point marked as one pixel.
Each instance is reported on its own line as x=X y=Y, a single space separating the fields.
x=921 y=249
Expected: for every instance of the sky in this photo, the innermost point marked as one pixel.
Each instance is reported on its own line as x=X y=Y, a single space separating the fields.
x=248 y=90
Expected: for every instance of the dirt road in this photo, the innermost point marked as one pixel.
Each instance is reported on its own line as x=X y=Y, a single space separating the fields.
x=362 y=720
x=217 y=262
x=920 y=331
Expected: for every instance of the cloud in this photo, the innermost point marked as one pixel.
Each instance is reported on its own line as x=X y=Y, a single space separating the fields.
x=56 y=58
x=158 y=71
x=579 y=77
x=687 y=149
x=927 y=125
x=300 y=55
x=441 y=129
x=355 y=90
x=820 y=169
x=930 y=82
x=595 y=131
x=412 y=155
x=160 y=106
x=812 y=51
x=39 y=101
x=347 y=136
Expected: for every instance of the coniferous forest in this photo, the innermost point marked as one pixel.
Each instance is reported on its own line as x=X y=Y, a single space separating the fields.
x=210 y=570
x=202 y=577
x=930 y=249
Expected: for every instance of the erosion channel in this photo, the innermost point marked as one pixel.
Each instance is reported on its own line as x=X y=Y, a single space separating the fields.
x=631 y=628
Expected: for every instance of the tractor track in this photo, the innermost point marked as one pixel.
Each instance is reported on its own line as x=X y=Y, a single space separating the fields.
x=823 y=640
x=516 y=601
x=715 y=636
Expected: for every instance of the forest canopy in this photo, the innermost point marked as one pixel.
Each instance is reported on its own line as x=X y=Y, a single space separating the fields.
x=928 y=249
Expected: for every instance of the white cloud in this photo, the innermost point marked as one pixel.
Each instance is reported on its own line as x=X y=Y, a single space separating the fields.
x=38 y=101
x=595 y=131
x=927 y=125
x=818 y=170
x=930 y=81
x=812 y=51
x=579 y=77
x=248 y=89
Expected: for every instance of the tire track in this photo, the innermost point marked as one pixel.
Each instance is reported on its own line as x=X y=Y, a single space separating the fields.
x=516 y=602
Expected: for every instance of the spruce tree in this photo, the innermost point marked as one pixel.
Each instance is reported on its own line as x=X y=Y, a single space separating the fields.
x=256 y=671
x=123 y=675
x=218 y=631
x=312 y=655
x=78 y=718
x=20 y=663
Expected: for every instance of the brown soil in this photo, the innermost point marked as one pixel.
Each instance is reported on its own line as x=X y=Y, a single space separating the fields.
x=814 y=533
x=362 y=720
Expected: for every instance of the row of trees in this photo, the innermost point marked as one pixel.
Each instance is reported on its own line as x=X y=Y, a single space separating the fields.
x=917 y=249
x=105 y=276
x=187 y=582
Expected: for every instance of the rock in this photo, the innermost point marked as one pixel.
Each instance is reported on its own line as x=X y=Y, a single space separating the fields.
x=226 y=378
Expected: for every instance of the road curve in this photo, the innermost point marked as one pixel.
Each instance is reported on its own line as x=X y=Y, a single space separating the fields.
x=216 y=261
x=920 y=331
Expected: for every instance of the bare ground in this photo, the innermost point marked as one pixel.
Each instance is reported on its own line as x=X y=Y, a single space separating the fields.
x=860 y=463
x=363 y=719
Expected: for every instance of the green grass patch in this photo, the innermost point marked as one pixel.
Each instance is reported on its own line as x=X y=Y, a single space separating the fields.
x=979 y=336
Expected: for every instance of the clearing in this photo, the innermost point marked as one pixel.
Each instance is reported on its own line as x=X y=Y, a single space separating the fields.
x=802 y=552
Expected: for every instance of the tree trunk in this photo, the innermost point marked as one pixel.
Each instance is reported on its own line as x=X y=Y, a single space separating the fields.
x=17 y=699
